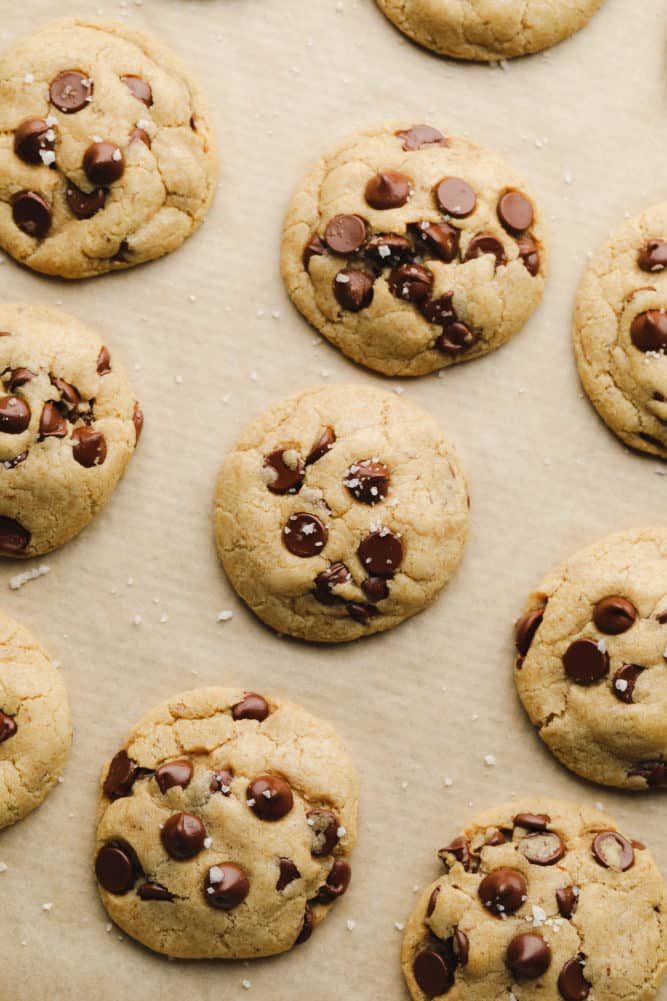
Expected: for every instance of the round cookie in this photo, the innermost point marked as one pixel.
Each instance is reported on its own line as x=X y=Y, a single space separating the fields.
x=620 y=331
x=69 y=423
x=591 y=668
x=540 y=899
x=107 y=157
x=226 y=825
x=487 y=30
x=411 y=250
x=35 y=726
x=341 y=511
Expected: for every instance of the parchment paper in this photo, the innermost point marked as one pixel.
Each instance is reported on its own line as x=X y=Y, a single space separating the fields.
x=430 y=699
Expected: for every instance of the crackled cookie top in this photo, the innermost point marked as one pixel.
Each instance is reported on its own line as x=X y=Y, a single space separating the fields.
x=226 y=824
x=411 y=250
x=620 y=331
x=35 y=727
x=106 y=153
x=540 y=899
x=488 y=29
x=341 y=512
x=69 y=423
x=591 y=668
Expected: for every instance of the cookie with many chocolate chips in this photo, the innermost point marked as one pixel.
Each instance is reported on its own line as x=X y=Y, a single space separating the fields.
x=107 y=157
x=412 y=250
x=591 y=665
x=488 y=29
x=540 y=899
x=341 y=511
x=226 y=825
x=69 y=424
x=35 y=726
x=620 y=331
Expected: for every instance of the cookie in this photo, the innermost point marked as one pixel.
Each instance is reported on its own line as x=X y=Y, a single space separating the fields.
x=620 y=331
x=590 y=669
x=540 y=899
x=341 y=511
x=411 y=250
x=106 y=152
x=69 y=423
x=487 y=30
x=226 y=825
x=35 y=726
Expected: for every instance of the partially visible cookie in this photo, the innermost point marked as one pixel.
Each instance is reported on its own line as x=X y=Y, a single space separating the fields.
x=540 y=899
x=412 y=250
x=620 y=331
x=69 y=424
x=35 y=726
x=107 y=156
x=487 y=30
x=226 y=825
x=591 y=668
x=341 y=511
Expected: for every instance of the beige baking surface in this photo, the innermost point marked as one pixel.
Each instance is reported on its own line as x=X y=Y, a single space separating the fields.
x=433 y=697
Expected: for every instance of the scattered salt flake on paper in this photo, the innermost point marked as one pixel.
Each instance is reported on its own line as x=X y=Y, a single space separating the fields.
x=448 y=782
x=47 y=907
x=246 y=985
x=489 y=760
x=3 y=867
x=351 y=925
x=22 y=578
x=399 y=926
x=224 y=616
x=137 y=620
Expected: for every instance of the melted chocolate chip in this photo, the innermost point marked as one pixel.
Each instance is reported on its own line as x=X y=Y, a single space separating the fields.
x=440 y=311
x=648 y=331
x=336 y=883
x=368 y=481
x=154 y=891
x=653 y=257
x=314 y=248
x=614 y=615
x=455 y=197
x=612 y=851
x=324 y=444
x=8 y=727
x=226 y=886
x=286 y=471
x=327 y=580
x=411 y=282
x=174 y=773
x=532 y=821
x=19 y=377
x=375 y=588
x=71 y=91
x=69 y=394
x=567 y=899
x=654 y=773
x=503 y=891
x=419 y=136
x=526 y=627
x=288 y=874
x=221 y=781
x=251 y=706
x=14 y=415
x=572 y=984
x=14 y=538
x=495 y=838
x=528 y=956
x=84 y=204
x=432 y=900
x=103 y=361
x=515 y=212
x=388 y=190
x=140 y=135
x=33 y=137
x=381 y=553
x=585 y=663
x=89 y=447
x=306 y=927
x=269 y=797
x=441 y=239
x=116 y=867
x=31 y=214
x=138 y=421
x=486 y=243
x=433 y=972
x=460 y=849
x=456 y=338
x=52 y=424
x=388 y=251
x=624 y=682
x=361 y=613
x=542 y=848
x=324 y=828
x=305 y=535
x=139 y=88
x=529 y=254
x=183 y=836
x=103 y=163
x=345 y=234
x=353 y=289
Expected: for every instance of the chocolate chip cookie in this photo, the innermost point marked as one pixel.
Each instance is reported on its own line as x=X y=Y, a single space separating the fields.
x=106 y=153
x=488 y=29
x=341 y=512
x=69 y=424
x=226 y=825
x=412 y=250
x=540 y=899
x=35 y=726
x=620 y=331
x=591 y=666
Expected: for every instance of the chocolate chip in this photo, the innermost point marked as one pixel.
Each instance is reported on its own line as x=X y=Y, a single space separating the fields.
x=353 y=289
x=440 y=311
x=649 y=330
x=286 y=471
x=614 y=615
x=388 y=190
x=174 y=773
x=183 y=836
x=542 y=848
x=139 y=88
x=154 y=891
x=89 y=447
x=654 y=256
x=344 y=234
x=433 y=972
x=624 y=682
x=19 y=377
x=460 y=849
x=567 y=899
x=441 y=239
x=251 y=706
x=33 y=137
x=305 y=535
x=14 y=538
x=324 y=444
x=572 y=984
x=526 y=627
x=368 y=481
x=455 y=197
x=388 y=251
x=381 y=553
x=71 y=91
x=103 y=163
x=411 y=282
x=495 y=838
x=456 y=338
x=654 y=773
x=532 y=821
x=138 y=421
x=515 y=212
x=52 y=424
x=84 y=204
x=226 y=886
x=103 y=361
x=306 y=927
x=419 y=136
x=336 y=883
x=221 y=781
x=324 y=828
x=612 y=851
x=375 y=588
x=8 y=727
x=327 y=580
x=139 y=135
x=31 y=214
x=314 y=248
x=116 y=867
x=586 y=661
x=528 y=956
x=361 y=613
x=432 y=900
x=269 y=797
x=14 y=415
x=503 y=891
x=529 y=254
x=69 y=394
x=485 y=243
x=288 y=874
